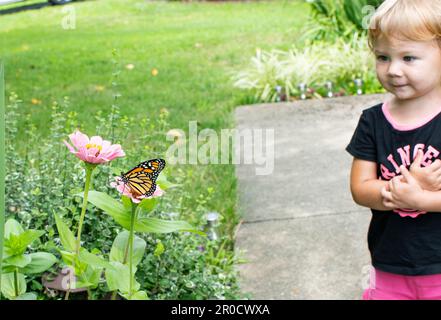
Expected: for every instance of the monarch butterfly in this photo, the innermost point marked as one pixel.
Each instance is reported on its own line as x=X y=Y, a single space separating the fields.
x=142 y=178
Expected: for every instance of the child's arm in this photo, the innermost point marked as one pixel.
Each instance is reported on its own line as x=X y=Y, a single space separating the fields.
x=365 y=185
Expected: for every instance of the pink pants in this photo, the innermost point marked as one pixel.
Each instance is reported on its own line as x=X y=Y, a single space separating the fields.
x=390 y=286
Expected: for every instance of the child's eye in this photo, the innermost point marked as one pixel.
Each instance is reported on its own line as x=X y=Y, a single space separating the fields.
x=381 y=58
x=409 y=58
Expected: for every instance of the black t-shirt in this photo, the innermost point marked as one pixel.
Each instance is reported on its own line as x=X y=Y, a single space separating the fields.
x=405 y=241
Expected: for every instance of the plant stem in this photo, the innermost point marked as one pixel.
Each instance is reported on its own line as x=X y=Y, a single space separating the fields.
x=89 y=169
x=132 y=227
x=16 y=282
x=126 y=251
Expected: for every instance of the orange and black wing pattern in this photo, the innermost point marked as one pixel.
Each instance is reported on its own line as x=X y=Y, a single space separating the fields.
x=142 y=178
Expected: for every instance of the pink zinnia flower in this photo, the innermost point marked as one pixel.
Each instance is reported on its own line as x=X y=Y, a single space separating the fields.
x=94 y=150
x=125 y=190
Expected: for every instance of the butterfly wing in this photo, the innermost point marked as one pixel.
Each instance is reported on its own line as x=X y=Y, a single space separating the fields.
x=142 y=178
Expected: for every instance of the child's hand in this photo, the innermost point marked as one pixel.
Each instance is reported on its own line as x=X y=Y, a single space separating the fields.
x=402 y=192
x=429 y=178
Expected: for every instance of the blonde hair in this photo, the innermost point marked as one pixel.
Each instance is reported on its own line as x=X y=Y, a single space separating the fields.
x=416 y=20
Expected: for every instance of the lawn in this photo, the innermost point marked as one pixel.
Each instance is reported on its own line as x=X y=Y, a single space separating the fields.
x=194 y=47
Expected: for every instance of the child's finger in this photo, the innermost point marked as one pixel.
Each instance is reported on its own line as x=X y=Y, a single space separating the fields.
x=437 y=175
x=437 y=172
x=391 y=185
x=419 y=157
x=435 y=165
x=389 y=204
x=386 y=194
x=406 y=174
x=395 y=182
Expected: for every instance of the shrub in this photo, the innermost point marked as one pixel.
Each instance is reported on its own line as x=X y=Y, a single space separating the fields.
x=42 y=178
x=331 y=20
x=341 y=63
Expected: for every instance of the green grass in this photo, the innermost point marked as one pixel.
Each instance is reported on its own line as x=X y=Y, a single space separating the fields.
x=194 y=46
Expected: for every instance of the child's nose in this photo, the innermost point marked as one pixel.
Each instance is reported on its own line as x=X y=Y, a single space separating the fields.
x=394 y=69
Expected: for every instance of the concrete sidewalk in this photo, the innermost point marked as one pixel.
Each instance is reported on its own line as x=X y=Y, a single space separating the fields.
x=302 y=235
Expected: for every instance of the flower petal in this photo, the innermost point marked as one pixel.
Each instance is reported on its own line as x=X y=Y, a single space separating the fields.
x=105 y=146
x=82 y=153
x=93 y=151
x=79 y=139
x=114 y=151
x=71 y=149
x=158 y=192
x=96 y=140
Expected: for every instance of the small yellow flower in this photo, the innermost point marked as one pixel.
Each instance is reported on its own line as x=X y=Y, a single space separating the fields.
x=130 y=66
x=35 y=101
x=100 y=88
x=154 y=72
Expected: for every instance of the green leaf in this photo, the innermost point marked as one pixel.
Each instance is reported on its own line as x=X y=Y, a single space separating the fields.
x=19 y=261
x=148 y=204
x=138 y=295
x=127 y=203
x=8 y=268
x=40 y=262
x=8 y=287
x=163 y=183
x=29 y=236
x=66 y=236
x=12 y=227
x=68 y=257
x=159 y=250
x=95 y=251
x=27 y=296
x=117 y=253
x=122 y=216
x=105 y=202
x=118 y=278
x=90 y=277
x=110 y=206
x=93 y=260
x=155 y=225
x=17 y=244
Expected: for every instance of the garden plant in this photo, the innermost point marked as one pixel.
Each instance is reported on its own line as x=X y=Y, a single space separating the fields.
x=330 y=59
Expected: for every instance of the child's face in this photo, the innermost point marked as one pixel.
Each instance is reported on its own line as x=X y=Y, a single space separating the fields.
x=408 y=69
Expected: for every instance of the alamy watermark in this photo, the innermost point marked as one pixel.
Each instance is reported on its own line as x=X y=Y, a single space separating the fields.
x=248 y=146
x=367 y=12
x=68 y=281
x=368 y=277
x=69 y=20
